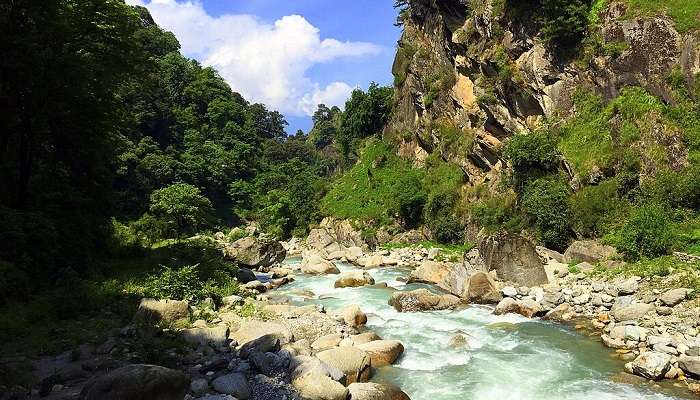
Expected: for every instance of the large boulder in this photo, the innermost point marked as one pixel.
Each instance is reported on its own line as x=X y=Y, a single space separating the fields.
x=353 y=362
x=333 y=236
x=234 y=384
x=423 y=300
x=651 y=365
x=316 y=265
x=316 y=380
x=353 y=315
x=251 y=330
x=138 y=382
x=376 y=391
x=690 y=365
x=217 y=336
x=514 y=258
x=632 y=311
x=161 y=311
x=589 y=251
x=481 y=289
x=449 y=276
x=674 y=296
x=255 y=252
x=245 y=275
x=354 y=279
x=525 y=307
x=382 y=352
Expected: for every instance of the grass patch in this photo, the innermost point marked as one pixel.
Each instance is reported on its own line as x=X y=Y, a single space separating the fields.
x=379 y=188
x=684 y=13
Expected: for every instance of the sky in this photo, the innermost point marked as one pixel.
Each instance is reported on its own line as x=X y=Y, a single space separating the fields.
x=287 y=54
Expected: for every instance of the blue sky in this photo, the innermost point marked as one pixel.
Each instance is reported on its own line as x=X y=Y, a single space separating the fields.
x=287 y=54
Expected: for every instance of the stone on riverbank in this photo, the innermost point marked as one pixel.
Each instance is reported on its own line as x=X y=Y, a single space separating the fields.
x=251 y=330
x=255 y=252
x=316 y=380
x=690 y=365
x=353 y=362
x=589 y=251
x=354 y=279
x=353 y=315
x=632 y=311
x=525 y=307
x=313 y=264
x=376 y=391
x=651 y=365
x=138 y=382
x=234 y=384
x=481 y=289
x=422 y=300
x=161 y=311
x=514 y=258
x=449 y=276
x=674 y=297
x=561 y=313
x=382 y=352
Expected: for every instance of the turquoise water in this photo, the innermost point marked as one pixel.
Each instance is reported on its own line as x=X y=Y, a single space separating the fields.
x=507 y=357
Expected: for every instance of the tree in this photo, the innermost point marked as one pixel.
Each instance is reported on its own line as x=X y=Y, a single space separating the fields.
x=181 y=204
x=365 y=114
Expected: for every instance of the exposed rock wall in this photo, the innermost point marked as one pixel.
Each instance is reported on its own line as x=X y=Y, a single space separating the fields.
x=450 y=66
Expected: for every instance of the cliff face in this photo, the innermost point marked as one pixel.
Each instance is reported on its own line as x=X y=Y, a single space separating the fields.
x=470 y=75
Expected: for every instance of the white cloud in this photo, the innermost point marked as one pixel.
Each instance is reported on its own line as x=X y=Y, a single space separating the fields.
x=266 y=63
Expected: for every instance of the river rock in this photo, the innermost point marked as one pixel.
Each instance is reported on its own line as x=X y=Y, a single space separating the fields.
x=632 y=311
x=382 y=352
x=216 y=336
x=561 y=313
x=690 y=364
x=629 y=332
x=262 y=344
x=161 y=311
x=629 y=286
x=137 y=382
x=514 y=258
x=245 y=275
x=353 y=362
x=509 y=291
x=422 y=300
x=353 y=316
x=354 y=279
x=376 y=391
x=506 y=306
x=588 y=250
x=199 y=386
x=234 y=384
x=481 y=289
x=674 y=296
x=449 y=276
x=251 y=330
x=327 y=342
x=255 y=252
x=268 y=362
x=313 y=264
x=651 y=365
x=316 y=380
x=361 y=338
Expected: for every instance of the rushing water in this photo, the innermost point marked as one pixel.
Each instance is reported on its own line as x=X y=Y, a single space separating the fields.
x=508 y=357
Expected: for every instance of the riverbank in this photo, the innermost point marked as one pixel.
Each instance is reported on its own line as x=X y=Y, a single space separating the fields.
x=330 y=321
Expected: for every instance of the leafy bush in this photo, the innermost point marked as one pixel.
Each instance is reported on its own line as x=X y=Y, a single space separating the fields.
x=187 y=283
x=596 y=209
x=532 y=156
x=564 y=22
x=181 y=205
x=498 y=212
x=545 y=202
x=647 y=233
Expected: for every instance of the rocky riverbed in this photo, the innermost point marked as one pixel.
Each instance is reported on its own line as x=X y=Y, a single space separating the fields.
x=337 y=320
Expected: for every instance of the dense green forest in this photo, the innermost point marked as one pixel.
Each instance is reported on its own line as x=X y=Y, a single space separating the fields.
x=114 y=140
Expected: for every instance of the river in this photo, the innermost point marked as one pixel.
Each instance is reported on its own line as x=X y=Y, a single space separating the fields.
x=507 y=358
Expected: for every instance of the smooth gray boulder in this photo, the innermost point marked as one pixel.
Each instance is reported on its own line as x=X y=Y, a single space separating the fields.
x=234 y=384
x=376 y=391
x=651 y=365
x=514 y=258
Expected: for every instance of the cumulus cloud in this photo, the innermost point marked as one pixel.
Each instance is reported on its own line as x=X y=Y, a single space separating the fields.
x=266 y=63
